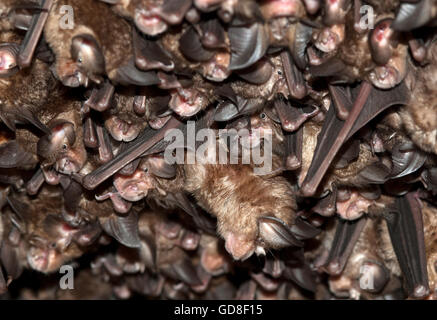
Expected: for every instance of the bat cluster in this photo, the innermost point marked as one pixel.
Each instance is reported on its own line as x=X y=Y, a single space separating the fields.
x=347 y=211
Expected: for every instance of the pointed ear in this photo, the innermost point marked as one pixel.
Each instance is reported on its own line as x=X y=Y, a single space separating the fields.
x=275 y=233
x=123 y=229
x=160 y=168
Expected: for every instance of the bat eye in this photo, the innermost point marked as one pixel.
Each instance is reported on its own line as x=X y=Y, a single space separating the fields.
x=53 y=245
x=263 y=116
x=64 y=146
x=146 y=169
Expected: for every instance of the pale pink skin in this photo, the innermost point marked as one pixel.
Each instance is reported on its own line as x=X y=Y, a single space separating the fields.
x=122 y=130
x=185 y=102
x=43 y=260
x=238 y=246
x=134 y=187
x=312 y=6
x=151 y=25
x=213 y=262
x=354 y=207
x=47 y=259
x=390 y=75
x=280 y=8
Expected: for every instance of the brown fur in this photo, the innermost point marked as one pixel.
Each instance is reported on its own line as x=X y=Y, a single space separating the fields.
x=419 y=117
x=237 y=197
x=95 y=18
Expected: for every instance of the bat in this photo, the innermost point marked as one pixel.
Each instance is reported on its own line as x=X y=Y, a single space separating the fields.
x=368 y=103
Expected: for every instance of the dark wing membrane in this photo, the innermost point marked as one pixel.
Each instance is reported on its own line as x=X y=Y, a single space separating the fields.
x=405 y=226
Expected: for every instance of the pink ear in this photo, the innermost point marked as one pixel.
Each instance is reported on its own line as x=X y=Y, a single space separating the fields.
x=160 y=168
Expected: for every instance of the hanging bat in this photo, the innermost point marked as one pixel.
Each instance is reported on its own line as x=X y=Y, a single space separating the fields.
x=87 y=53
x=360 y=112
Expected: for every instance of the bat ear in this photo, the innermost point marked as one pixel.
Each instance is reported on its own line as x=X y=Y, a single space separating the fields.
x=412 y=15
x=86 y=52
x=12 y=155
x=160 y=168
x=248 y=45
x=148 y=251
x=61 y=133
x=10 y=261
x=184 y=271
x=303 y=230
x=257 y=73
x=191 y=47
x=123 y=229
x=212 y=34
x=129 y=74
x=299 y=37
x=149 y=55
x=345 y=238
x=276 y=234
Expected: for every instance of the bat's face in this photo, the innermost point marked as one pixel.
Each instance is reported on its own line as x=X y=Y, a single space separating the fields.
x=150 y=24
x=136 y=186
x=123 y=128
x=50 y=245
x=354 y=207
x=329 y=38
x=58 y=142
x=72 y=161
x=389 y=75
x=152 y=17
x=186 y=102
x=61 y=148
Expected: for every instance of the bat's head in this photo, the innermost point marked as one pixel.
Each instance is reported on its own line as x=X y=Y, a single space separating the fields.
x=136 y=186
x=123 y=127
x=328 y=39
x=61 y=148
x=186 y=102
x=51 y=245
x=87 y=55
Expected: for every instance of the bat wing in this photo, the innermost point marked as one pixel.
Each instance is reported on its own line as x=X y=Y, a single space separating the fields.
x=405 y=226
